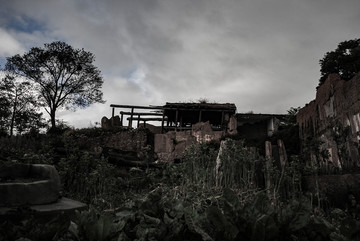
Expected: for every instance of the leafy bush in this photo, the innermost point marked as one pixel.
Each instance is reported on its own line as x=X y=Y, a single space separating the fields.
x=236 y=165
x=92 y=226
x=28 y=226
x=198 y=165
x=182 y=201
x=228 y=216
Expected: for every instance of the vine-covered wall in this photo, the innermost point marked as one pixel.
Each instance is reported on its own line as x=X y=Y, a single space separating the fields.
x=330 y=124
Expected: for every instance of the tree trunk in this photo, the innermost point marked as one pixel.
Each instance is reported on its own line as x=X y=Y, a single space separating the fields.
x=13 y=115
x=52 y=117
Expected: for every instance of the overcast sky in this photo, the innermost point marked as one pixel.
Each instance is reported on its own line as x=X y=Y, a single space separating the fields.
x=262 y=56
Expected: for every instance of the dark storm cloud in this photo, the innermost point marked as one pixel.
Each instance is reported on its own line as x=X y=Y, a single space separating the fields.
x=261 y=55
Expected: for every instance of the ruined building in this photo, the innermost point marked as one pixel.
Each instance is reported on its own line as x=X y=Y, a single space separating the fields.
x=331 y=124
x=175 y=126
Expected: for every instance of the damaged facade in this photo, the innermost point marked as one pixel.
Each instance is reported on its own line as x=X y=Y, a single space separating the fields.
x=333 y=121
x=257 y=128
x=178 y=125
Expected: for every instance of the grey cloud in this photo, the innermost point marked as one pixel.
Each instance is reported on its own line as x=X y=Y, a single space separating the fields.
x=261 y=55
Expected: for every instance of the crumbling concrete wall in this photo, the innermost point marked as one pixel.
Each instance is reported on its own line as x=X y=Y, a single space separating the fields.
x=172 y=145
x=128 y=140
x=335 y=109
x=167 y=146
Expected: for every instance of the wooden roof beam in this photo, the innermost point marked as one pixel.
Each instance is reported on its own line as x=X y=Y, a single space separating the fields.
x=140 y=113
x=137 y=107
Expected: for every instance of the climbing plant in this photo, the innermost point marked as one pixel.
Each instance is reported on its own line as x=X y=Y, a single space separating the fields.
x=341 y=136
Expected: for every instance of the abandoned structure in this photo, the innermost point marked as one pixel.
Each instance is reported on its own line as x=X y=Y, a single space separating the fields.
x=178 y=125
x=328 y=128
x=174 y=116
x=257 y=128
x=332 y=121
x=185 y=115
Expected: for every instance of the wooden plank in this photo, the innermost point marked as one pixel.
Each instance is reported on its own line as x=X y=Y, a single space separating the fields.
x=206 y=110
x=176 y=119
x=112 y=119
x=137 y=107
x=162 y=122
x=145 y=119
x=140 y=113
x=131 y=117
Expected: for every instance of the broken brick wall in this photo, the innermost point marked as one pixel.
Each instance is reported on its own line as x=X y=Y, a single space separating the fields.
x=172 y=145
x=334 y=113
x=127 y=140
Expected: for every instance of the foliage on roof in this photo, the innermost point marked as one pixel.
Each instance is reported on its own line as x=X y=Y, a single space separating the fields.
x=198 y=106
x=344 y=60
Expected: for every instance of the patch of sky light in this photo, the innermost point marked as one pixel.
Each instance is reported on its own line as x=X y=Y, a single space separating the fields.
x=137 y=77
x=22 y=23
x=2 y=62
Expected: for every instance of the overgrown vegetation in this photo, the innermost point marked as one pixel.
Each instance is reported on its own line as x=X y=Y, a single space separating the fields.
x=289 y=132
x=207 y=196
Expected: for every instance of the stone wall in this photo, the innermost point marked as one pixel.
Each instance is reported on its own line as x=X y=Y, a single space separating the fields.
x=334 y=113
x=172 y=145
x=128 y=140
x=166 y=147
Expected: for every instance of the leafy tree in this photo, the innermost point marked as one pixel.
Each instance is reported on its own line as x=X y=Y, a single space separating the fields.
x=345 y=61
x=19 y=105
x=292 y=112
x=64 y=77
x=4 y=115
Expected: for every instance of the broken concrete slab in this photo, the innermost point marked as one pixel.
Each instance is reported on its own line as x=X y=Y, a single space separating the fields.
x=62 y=205
x=28 y=184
